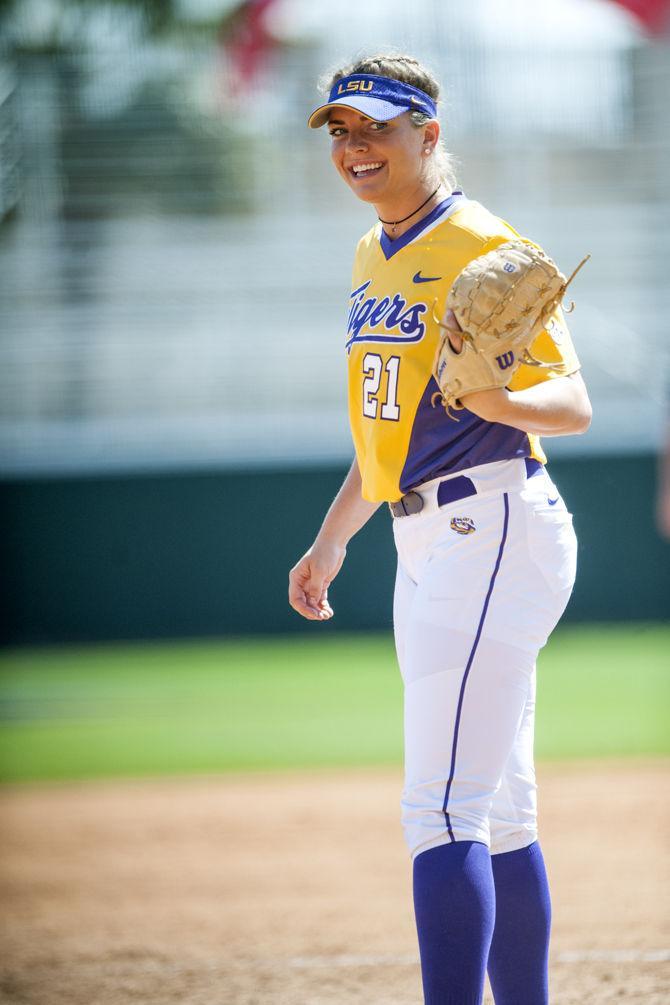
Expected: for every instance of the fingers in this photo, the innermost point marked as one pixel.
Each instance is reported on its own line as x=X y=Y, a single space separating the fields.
x=309 y=610
x=308 y=607
x=325 y=610
x=453 y=328
x=451 y=321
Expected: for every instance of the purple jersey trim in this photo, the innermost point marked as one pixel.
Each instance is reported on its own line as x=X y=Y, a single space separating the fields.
x=440 y=445
x=390 y=247
x=459 y=709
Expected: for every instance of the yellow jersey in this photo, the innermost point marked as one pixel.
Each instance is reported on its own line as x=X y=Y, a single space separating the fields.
x=399 y=287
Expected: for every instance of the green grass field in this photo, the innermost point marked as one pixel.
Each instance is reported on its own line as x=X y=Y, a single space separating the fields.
x=260 y=704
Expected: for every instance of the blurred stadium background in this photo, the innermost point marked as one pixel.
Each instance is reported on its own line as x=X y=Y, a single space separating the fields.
x=175 y=253
x=174 y=262
x=174 y=268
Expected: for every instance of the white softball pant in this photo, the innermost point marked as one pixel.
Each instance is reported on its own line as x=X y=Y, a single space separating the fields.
x=472 y=609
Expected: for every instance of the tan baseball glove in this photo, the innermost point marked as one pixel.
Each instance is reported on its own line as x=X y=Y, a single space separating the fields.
x=502 y=301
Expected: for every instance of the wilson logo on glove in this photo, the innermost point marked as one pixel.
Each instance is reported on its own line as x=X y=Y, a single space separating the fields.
x=504 y=362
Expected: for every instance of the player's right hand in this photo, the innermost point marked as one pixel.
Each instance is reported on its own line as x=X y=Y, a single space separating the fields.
x=310 y=578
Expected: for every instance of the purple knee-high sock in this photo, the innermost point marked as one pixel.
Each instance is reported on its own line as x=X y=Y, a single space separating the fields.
x=454 y=906
x=518 y=959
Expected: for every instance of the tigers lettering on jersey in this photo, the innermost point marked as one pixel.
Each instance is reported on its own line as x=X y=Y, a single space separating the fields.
x=401 y=439
x=401 y=323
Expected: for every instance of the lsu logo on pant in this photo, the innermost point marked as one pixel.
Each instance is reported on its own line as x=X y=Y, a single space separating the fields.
x=462 y=525
x=505 y=360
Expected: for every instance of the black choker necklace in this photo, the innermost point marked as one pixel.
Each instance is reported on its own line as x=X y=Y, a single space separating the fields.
x=393 y=224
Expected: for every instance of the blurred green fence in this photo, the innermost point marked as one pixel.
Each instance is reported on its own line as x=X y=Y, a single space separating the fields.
x=208 y=554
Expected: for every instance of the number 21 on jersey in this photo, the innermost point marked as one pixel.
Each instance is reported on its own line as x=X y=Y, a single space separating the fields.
x=376 y=372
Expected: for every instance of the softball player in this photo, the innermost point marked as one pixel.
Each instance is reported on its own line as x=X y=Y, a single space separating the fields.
x=486 y=549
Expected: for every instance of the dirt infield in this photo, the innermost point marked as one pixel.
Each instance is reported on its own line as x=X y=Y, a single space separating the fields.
x=295 y=890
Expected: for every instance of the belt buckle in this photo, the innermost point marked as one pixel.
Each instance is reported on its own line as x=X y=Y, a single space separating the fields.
x=407 y=505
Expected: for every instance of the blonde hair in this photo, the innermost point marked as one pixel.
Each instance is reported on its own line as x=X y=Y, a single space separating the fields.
x=408 y=70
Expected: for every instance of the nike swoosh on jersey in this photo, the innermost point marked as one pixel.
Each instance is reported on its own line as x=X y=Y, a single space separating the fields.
x=418 y=278
x=552 y=502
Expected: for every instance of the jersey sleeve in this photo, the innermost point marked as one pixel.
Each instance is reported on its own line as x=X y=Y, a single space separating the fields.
x=552 y=345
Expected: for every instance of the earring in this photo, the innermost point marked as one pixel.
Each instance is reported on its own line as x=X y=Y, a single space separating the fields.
x=426 y=150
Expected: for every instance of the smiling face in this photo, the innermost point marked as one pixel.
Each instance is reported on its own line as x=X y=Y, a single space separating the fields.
x=384 y=163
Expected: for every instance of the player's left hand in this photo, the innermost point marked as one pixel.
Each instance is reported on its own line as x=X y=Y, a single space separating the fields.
x=485 y=404
x=451 y=323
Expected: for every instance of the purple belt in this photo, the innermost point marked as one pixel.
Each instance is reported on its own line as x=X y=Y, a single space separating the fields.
x=449 y=491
